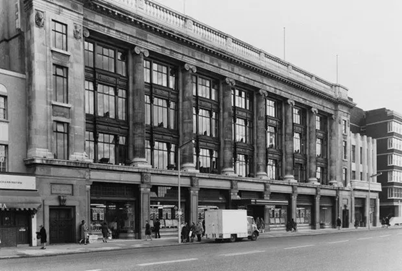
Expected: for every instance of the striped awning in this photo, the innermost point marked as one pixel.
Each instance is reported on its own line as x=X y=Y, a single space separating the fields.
x=19 y=200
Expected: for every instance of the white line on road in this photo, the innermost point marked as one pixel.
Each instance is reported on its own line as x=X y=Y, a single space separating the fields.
x=298 y=247
x=243 y=253
x=364 y=238
x=342 y=241
x=174 y=261
x=384 y=236
x=94 y=270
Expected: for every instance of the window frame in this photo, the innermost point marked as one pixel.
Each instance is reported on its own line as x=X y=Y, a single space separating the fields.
x=56 y=34
x=4 y=109
x=4 y=164
x=64 y=88
x=61 y=140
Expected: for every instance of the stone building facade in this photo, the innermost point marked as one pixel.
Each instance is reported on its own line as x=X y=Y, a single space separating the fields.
x=117 y=89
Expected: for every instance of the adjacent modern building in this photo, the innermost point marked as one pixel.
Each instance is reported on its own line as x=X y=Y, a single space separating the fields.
x=386 y=127
x=122 y=104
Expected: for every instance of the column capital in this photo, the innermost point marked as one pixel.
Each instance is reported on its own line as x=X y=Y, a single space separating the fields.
x=146 y=178
x=234 y=185
x=195 y=183
x=264 y=93
x=231 y=82
x=191 y=68
x=291 y=102
x=139 y=50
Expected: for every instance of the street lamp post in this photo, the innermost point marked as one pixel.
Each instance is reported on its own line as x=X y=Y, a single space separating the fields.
x=369 y=196
x=179 y=192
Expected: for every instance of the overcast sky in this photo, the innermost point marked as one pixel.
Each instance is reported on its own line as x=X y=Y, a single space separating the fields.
x=365 y=34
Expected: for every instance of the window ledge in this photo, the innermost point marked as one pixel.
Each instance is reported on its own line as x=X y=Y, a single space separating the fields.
x=60 y=51
x=61 y=104
x=4 y=120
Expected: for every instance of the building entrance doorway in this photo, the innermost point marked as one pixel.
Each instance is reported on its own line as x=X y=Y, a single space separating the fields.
x=61 y=225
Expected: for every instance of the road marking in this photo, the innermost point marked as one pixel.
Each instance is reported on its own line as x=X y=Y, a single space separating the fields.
x=342 y=241
x=384 y=236
x=298 y=247
x=94 y=270
x=243 y=253
x=364 y=238
x=174 y=261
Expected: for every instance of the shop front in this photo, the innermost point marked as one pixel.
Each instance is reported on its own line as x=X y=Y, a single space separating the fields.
x=115 y=205
x=19 y=202
x=304 y=211
x=326 y=212
x=360 y=218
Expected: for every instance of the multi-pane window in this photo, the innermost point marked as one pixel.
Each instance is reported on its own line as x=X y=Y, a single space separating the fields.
x=122 y=150
x=110 y=103
x=242 y=165
x=90 y=145
x=272 y=108
x=395 y=126
x=395 y=176
x=243 y=131
x=3 y=108
x=89 y=54
x=106 y=101
x=3 y=158
x=353 y=154
x=318 y=123
x=344 y=174
x=162 y=111
x=206 y=88
x=319 y=147
x=60 y=145
x=59 y=35
x=121 y=104
x=297 y=146
x=147 y=110
x=345 y=150
x=207 y=160
x=361 y=155
x=163 y=155
x=395 y=193
x=272 y=169
x=121 y=63
x=60 y=84
x=394 y=160
x=395 y=143
x=297 y=115
x=159 y=74
x=271 y=137
x=241 y=99
x=344 y=126
x=89 y=98
x=106 y=148
x=105 y=58
x=319 y=174
x=207 y=122
x=353 y=175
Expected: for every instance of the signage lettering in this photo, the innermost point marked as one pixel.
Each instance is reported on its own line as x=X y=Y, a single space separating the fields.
x=3 y=206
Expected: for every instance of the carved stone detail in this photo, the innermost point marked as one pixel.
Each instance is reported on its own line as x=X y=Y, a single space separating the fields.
x=195 y=182
x=139 y=50
x=86 y=32
x=145 y=178
x=231 y=82
x=294 y=190
x=234 y=185
x=314 y=110
x=264 y=93
x=39 y=18
x=267 y=191
x=77 y=31
x=291 y=102
x=191 y=68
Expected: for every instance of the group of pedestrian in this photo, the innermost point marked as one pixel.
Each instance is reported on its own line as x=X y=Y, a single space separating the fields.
x=260 y=224
x=189 y=233
x=291 y=225
x=385 y=222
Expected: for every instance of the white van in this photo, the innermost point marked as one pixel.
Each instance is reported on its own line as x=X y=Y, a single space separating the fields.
x=395 y=221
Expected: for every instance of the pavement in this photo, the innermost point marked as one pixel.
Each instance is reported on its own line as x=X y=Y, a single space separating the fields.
x=119 y=244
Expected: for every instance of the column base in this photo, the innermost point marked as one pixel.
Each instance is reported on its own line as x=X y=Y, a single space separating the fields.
x=313 y=181
x=262 y=175
x=80 y=156
x=189 y=167
x=290 y=178
x=140 y=163
x=42 y=153
x=228 y=172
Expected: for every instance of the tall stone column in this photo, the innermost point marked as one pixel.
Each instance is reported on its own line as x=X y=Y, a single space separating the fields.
x=144 y=202
x=289 y=141
x=293 y=204
x=312 y=153
x=187 y=149
x=193 y=200
x=261 y=135
x=317 y=209
x=233 y=195
x=334 y=146
x=138 y=113
x=227 y=167
x=130 y=107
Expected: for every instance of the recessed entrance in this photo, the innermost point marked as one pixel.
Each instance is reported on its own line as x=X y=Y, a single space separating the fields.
x=61 y=225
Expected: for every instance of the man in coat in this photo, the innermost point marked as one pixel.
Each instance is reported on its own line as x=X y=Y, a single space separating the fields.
x=43 y=236
x=157 y=227
x=338 y=223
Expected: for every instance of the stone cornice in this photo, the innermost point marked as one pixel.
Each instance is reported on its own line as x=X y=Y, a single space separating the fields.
x=140 y=21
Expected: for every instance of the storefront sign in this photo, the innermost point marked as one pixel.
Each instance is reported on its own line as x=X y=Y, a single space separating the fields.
x=3 y=206
x=17 y=182
x=62 y=189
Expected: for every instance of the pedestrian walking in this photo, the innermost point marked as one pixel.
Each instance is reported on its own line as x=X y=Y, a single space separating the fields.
x=83 y=232
x=157 y=227
x=387 y=222
x=43 y=236
x=184 y=233
x=105 y=232
x=258 y=223
x=294 y=225
x=198 y=231
x=203 y=226
x=192 y=232
x=262 y=225
x=147 y=231
x=338 y=223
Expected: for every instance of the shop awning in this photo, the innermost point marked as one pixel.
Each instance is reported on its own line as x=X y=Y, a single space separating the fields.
x=20 y=199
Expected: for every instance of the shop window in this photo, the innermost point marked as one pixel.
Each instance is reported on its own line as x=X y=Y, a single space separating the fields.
x=60 y=146
x=60 y=84
x=3 y=158
x=59 y=35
